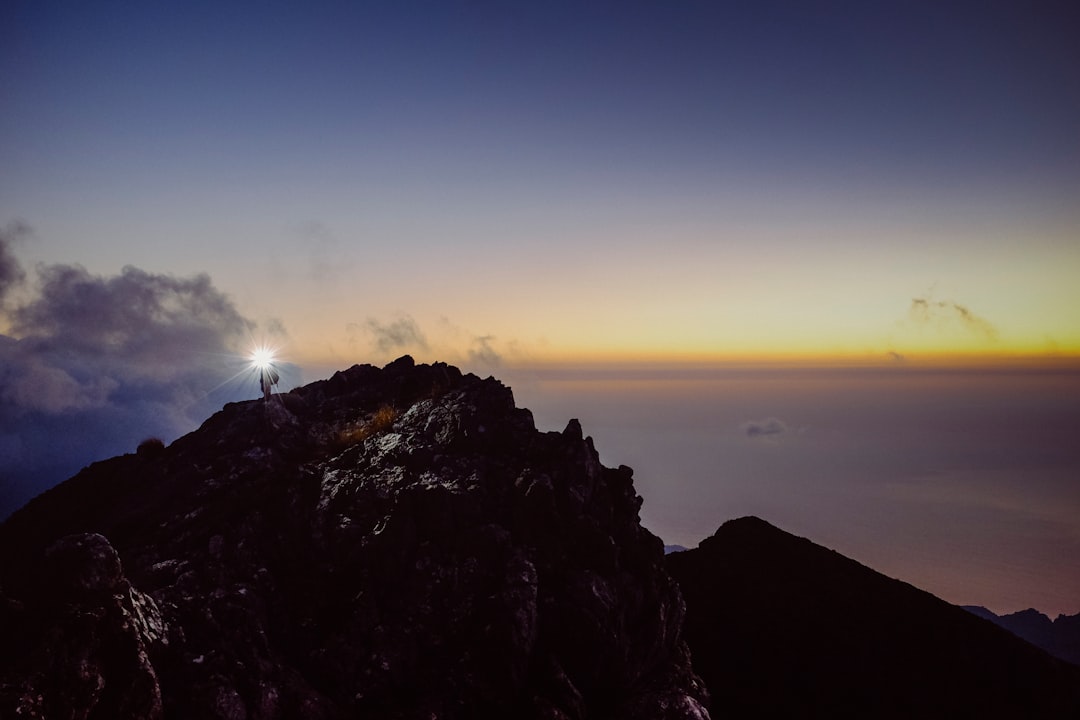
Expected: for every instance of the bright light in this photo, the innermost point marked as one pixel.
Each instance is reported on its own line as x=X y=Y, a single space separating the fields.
x=262 y=358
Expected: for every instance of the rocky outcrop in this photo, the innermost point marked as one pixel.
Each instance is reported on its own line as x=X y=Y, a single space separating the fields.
x=79 y=649
x=394 y=543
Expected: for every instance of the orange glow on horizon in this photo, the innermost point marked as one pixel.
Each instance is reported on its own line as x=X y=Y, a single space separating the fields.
x=584 y=359
x=1064 y=361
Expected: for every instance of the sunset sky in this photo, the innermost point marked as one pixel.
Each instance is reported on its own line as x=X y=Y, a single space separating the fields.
x=555 y=192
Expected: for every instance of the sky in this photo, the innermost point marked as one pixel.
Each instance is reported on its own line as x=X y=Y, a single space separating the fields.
x=577 y=198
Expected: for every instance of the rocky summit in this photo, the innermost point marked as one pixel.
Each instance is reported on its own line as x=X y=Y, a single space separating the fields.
x=388 y=543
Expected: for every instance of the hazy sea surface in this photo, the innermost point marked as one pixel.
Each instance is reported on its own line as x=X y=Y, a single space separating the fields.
x=965 y=483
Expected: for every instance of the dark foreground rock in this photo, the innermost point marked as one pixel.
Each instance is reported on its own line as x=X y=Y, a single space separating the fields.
x=781 y=627
x=394 y=543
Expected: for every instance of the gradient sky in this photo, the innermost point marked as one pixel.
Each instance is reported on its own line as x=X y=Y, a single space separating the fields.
x=623 y=178
x=540 y=185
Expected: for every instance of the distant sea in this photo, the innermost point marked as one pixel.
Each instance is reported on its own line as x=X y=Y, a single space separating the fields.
x=965 y=483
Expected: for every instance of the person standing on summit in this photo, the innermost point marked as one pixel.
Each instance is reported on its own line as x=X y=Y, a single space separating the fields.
x=268 y=377
x=262 y=360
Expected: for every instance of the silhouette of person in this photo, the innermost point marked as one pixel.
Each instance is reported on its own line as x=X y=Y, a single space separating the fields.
x=268 y=377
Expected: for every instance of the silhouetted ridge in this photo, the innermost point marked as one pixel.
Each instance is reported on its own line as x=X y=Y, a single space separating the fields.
x=394 y=543
x=1059 y=637
x=781 y=627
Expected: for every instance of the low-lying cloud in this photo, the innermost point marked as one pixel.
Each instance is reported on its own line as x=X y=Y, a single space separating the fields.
x=769 y=427
x=91 y=365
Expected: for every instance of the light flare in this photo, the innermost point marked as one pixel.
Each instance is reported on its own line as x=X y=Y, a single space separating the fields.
x=262 y=357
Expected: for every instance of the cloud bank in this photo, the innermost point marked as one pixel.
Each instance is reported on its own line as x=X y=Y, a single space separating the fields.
x=92 y=365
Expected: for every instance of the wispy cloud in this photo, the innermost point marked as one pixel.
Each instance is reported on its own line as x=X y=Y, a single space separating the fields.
x=769 y=427
x=942 y=313
x=482 y=352
x=11 y=272
x=322 y=249
x=397 y=335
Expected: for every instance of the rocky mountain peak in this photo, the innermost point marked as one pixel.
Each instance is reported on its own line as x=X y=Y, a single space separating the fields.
x=388 y=543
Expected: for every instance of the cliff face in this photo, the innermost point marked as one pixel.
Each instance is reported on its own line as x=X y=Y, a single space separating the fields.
x=394 y=543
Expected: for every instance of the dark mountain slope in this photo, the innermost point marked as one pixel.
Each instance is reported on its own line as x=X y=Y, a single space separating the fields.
x=781 y=627
x=394 y=543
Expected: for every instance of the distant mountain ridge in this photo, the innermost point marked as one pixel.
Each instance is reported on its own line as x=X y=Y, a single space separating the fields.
x=1059 y=637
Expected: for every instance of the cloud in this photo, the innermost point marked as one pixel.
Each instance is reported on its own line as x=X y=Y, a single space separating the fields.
x=927 y=310
x=94 y=364
x=11 y=272
x=445 y=341
x=769 y=427
x=483 y=352
x=397 y=335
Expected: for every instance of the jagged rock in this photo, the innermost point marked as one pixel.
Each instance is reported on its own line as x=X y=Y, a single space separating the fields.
x=77 y=647
x=395 y=543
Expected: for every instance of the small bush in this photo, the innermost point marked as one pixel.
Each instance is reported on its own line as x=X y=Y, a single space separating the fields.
x=150 y=447
x=381 y=421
